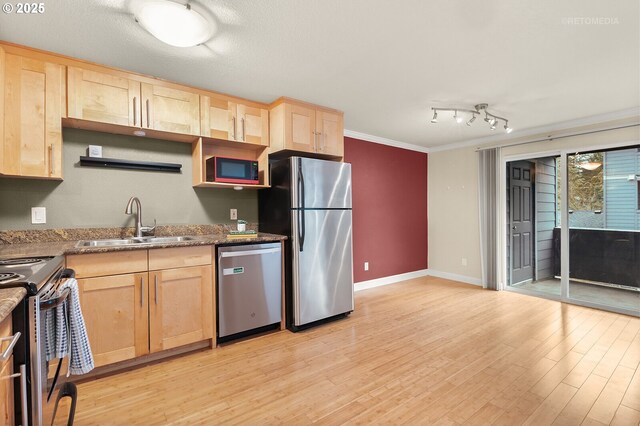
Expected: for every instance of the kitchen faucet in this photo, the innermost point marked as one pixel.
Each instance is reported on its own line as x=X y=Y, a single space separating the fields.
x=140 y=230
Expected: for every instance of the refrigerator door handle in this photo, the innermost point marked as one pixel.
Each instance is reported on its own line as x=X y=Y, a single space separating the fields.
x=301 y=227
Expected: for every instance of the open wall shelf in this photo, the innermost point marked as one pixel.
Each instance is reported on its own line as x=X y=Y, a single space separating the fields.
x=115 y=163
x=205 y=148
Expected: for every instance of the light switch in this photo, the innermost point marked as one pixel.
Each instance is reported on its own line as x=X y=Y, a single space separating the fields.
x=38 y=215
x=366 y=266
x=233 y=214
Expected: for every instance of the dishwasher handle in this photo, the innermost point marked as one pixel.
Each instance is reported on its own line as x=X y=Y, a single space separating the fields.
x=249 y=252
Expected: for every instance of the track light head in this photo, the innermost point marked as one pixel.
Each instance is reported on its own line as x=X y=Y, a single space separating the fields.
x=492 y=122
x=471 y=120
x=507 y=128
x=457 y=117
x=435 y=117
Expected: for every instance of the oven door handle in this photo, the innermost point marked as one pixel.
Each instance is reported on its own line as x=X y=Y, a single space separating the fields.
x=68 y=273
x=45 y=305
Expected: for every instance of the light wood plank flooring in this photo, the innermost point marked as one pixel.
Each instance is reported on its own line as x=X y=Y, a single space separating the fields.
x=426 y=351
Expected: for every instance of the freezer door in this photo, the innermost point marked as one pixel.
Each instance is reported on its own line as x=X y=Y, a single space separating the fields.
x=320 y=184
x=249 y=287
x=322 y=264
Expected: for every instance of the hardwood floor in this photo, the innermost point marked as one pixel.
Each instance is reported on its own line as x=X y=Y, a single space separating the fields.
x=426 y=351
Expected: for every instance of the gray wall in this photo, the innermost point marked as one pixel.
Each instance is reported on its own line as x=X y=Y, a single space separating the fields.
x=545 y=216
x=97 y=197
x=620 y=193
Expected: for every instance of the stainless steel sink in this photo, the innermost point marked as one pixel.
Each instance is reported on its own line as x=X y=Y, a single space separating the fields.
x=132 y=241
x=160 y=240
x=106 y=243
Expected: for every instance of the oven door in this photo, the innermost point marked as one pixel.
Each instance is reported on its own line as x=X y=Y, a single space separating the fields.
x=49 y=378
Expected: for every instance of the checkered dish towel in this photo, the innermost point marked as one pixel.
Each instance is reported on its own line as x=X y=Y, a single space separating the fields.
x=65 y=332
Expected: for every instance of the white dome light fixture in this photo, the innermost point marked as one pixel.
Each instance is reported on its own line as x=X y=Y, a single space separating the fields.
x=174 y=23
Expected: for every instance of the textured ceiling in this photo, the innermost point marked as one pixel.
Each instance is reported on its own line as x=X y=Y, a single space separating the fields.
x=384 y=63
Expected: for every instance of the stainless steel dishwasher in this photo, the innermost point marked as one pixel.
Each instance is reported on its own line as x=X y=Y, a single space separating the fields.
x=249 y=288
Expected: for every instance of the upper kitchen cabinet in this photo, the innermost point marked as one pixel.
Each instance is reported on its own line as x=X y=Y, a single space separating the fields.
x=302 y=127
x=32 y=104
x=104 y=98
x=112 y=97
x=330 y=132
x=229 y=119
x=170 y=109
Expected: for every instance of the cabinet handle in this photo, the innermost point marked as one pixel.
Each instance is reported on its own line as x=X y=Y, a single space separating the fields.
x=315 y=140
x=23 y=393
x=155 y=278
x=233 y=119
x=7 y=352
x=51 y=159
x=148 y=123
x=141 y=291
x=135 y=113
x=321 y=144
x=243 y=130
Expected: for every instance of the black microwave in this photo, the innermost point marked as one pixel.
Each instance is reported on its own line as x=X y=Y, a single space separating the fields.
x=232 y=170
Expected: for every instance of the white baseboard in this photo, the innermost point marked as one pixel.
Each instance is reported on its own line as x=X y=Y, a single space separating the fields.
x=363 y=285
x=454 y=277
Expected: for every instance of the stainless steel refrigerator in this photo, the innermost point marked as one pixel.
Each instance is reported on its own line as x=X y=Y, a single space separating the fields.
x=310 y=202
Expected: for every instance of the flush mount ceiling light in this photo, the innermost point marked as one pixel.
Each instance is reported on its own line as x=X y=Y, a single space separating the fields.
x=492 y=119
x=174 y=23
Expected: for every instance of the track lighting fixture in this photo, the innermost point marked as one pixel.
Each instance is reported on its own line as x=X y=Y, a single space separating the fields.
x=492 y=119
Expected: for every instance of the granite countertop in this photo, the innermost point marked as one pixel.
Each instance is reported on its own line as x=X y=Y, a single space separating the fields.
x=9 y=298
x=57 y=248
x=63 y=242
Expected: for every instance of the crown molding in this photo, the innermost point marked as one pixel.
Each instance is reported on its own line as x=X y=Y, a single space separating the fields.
x=554 y=127
x=385 y=141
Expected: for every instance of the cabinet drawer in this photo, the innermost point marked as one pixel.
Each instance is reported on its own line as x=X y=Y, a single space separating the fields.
x=114 y=263
x=179 y=257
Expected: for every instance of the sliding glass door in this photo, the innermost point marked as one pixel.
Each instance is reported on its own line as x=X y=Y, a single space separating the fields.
x=604 y=228
x=588 y=254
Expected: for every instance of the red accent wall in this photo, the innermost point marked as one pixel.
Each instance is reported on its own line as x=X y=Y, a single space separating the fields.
x=389 y=209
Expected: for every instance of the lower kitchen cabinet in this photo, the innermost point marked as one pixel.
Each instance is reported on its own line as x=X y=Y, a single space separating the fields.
x=6 y=393
x=142 y=302
x=181 y=307
x=6 y=383
x=116 y=315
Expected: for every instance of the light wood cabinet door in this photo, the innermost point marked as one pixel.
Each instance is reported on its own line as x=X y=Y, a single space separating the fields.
x=104 y=98
x=6 y=393
x=170 y=110
x=330 y=133
x=180 y=310
x=217 y=118
x=253 y=124
x=300 y=128
x=6 y=370
x=116 y=313
x=33 y=107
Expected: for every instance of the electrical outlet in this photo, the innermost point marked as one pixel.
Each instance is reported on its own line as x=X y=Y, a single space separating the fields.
x=366 y=266
x=464 y=261
x=234 y=214
x=38 y=215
